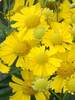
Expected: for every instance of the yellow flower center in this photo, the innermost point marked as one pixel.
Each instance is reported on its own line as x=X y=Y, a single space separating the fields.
x=56 y=38
x=32 y=21
x=41 y=85
x=66 y=70
x=27 y=89
x=22 y=48
x=42 y=59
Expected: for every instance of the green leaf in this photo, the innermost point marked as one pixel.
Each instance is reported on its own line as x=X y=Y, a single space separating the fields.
x=68 y=96
x=4 y=97
x=15 y=71
x=2 y=36
x=4 y=91
x=5 y=6
x=2 y=26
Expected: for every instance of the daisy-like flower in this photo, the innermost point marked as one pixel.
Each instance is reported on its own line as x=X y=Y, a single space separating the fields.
x=63 y=5
x=29 y=18
x=59 y=37
x=4 y=68
x=41 y=62
x=15 y=46
x=50 y=16
x=29 y=86
x=67 y=13
x=64 y=72
x=70 y=84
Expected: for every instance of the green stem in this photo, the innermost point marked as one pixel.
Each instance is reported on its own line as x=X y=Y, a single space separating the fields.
x=9 y=13
x=57 y=96
x=57 y=9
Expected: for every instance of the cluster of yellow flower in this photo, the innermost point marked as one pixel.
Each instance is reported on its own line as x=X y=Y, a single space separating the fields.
x=43 y=46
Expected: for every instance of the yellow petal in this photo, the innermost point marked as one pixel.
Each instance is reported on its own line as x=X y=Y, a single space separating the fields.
x=40 y=96
x=4 y=68
x=17 y=80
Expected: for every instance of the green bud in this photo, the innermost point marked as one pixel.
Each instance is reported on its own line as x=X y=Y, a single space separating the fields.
x=39 y=32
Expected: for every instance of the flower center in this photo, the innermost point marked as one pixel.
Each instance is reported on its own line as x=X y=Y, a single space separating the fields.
x=42 y=59
x=41 y=85
x=66 y=70
x=56 y=39
x=27 y=89
x=32 y=21
x=22 y=48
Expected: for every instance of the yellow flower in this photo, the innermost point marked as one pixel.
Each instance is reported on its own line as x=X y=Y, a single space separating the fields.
x=50 y=16
x=70 y=84
x=4 y=68
x=65 y=13
x=65 y=71
x=59 y=37
x=29 y=86
x=57 y=84
x=15 y=46
x=41 y=62
x=29 y=18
